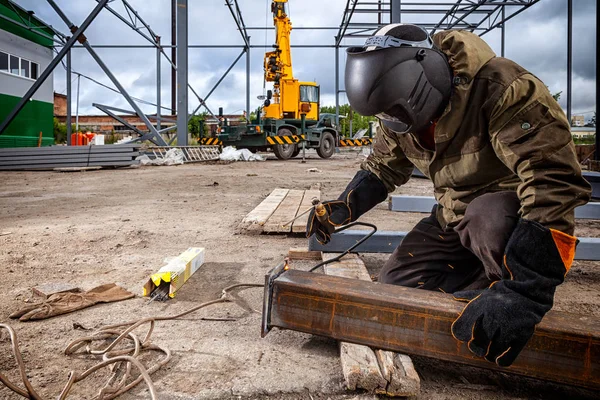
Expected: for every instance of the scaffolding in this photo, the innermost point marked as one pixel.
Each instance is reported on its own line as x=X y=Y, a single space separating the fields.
x=360 y=19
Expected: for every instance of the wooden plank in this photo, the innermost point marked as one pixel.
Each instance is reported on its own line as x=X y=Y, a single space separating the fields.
x=378 y=371
x=257 y=217
x=302 y=253
x=399 y=371
x=286 y=211
x=299 y=225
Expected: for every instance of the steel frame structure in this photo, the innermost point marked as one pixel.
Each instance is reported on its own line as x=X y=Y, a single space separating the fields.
x=479 y=16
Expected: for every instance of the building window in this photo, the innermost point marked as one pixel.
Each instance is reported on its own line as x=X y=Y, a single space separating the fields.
x=18 y=66
x=14 y=65
x=3 y=62
x=24 y=68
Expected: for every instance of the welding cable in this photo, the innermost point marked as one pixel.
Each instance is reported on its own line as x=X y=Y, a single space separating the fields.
x=361 y=241
x=127 y=356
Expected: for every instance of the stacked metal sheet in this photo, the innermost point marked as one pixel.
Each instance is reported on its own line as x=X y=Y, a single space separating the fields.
x=40 y=158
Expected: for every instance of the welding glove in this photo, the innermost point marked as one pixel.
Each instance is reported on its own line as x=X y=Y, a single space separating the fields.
x=499 y=321
x=62 y=303
x=363 y=193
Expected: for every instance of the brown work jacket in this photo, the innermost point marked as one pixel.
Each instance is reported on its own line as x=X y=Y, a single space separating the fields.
x=501 y=130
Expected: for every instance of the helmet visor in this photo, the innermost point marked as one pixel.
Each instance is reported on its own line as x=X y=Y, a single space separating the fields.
x=383 y=42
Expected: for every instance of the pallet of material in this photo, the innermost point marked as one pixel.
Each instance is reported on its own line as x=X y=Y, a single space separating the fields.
x=44 y=158
x=274 y=213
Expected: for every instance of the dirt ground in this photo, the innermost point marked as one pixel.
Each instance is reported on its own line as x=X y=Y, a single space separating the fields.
x=96 y=227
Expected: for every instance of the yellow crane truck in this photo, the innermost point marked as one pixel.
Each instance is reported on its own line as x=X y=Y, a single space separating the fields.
x=278 y=123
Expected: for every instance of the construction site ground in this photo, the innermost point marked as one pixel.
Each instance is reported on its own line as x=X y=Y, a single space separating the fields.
x=96 y=227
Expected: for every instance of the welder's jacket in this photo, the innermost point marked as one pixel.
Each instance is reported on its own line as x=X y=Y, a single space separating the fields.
x=502 y=130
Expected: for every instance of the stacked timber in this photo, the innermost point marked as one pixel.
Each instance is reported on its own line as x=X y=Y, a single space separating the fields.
x=44 y=158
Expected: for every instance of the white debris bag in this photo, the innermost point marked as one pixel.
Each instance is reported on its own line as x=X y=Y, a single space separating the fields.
x=173 y=156
x=230 y=153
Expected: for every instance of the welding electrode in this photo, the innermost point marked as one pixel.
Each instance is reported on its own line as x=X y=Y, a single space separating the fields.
x=322 y=215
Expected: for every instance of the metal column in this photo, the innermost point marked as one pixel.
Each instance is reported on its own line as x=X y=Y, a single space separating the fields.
x=569 y=57
x=395 y=13
x=182 y=72
x=337 y=86
x=68 y=121
x=158 y=82
x=248 y=83
x=174 y=56
x=597 y=153
x=503 y=40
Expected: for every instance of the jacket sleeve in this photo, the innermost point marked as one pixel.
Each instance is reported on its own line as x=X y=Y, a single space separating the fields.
x=531 y=135
x=388 y=161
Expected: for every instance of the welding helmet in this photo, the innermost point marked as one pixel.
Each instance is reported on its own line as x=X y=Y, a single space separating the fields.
x=400 y=77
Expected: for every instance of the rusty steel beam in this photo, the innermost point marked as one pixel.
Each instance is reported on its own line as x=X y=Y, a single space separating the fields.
x=564 y=349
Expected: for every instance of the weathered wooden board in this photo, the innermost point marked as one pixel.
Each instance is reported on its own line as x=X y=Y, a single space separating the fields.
x=286 y=211
x=302 y=253
x=257 y=217
x=378 y=371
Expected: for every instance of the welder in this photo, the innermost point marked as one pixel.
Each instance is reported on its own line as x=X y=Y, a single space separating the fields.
x=498 y=149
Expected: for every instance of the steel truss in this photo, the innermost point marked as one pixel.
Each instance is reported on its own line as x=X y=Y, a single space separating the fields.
x=479 y=16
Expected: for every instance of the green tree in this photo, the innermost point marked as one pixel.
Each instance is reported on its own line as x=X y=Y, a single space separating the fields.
x=60 y=131
x=196 y=125
x=346 y=113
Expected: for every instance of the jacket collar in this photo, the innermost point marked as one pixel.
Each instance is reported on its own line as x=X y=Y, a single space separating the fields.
x=467 y=53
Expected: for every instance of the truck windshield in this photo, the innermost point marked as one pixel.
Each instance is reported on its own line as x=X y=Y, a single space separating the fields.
x=309 y=94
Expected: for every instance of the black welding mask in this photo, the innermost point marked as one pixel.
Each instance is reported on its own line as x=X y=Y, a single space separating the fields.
x=400 y=77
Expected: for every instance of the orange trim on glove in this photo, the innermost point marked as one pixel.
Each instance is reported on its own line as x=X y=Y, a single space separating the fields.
x=565 y=245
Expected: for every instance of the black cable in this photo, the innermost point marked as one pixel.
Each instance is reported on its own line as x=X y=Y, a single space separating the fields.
x=361 y=241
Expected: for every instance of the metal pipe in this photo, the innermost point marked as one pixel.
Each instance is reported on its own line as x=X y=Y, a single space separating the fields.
x=597 y=153
x=418 y=322
x=248 y=84
x=173 y=56
x=182 y=70
x=55 y=61
x=395 y=12
x=69 y=98
x=158 y=83
x=503 y=39
x=77 y=106
x=569 y=57
x=337 y=86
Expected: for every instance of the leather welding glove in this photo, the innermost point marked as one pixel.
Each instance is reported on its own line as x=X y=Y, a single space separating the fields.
x=62 y=303
x=363 y=193
x=498 y=322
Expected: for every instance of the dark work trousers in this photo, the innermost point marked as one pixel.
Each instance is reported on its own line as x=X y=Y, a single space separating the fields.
x=468 y=256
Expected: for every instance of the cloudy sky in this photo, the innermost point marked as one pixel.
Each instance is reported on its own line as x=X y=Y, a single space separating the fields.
x=536 y=39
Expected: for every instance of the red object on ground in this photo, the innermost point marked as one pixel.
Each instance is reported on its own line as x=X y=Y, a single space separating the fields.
x=81 y=139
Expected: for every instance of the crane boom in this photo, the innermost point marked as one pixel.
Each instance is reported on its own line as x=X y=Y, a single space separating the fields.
x=290 y=98
x=278 y=63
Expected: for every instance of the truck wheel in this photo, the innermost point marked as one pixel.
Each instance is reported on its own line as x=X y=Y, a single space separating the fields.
x=327 y=145
x=297 y=150
x=284 y=151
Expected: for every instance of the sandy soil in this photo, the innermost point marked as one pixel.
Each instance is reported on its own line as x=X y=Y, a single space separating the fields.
x=118 y=226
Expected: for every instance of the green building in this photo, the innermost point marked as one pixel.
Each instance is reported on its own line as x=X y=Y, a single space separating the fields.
x=24 y=54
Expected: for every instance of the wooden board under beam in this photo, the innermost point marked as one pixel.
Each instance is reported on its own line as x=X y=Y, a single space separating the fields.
x=299 y=225
x=378 y=371
x=286 y=211
x=256 y=218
